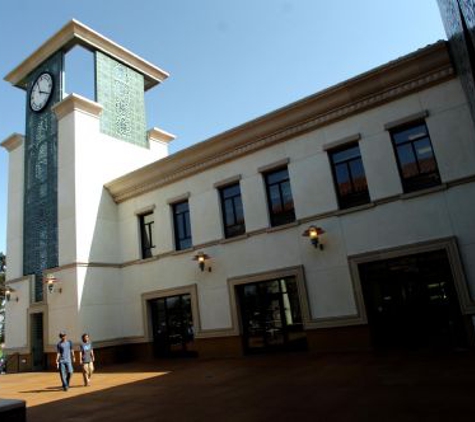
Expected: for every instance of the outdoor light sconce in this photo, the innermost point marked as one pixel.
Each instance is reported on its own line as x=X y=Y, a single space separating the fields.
x=201 y=257
x=51 y=281
x=8 y=294
x=314 y=233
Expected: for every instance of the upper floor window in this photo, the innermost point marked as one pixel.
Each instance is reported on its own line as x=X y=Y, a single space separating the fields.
x=349 y=176
x=231 y=207
x=146 y=234
x=415 y=157
x=181 y=222
x=279 y=197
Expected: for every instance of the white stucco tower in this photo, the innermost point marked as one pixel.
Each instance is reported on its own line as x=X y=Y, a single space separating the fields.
x=60 y=218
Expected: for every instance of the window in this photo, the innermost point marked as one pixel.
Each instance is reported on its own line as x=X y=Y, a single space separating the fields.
x=279 y=197
x=349 y=176
x=231 y=207
x=146 y=234
x=181 y=221
x=415 y=157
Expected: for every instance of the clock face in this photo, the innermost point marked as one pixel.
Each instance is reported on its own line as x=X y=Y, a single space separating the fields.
x=41 y=92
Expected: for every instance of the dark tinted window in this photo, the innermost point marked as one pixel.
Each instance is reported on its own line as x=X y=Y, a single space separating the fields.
x=146 y=234
x=279 y=197
x=232 y=210
x=415 y=157
x=181 y=220
x=349 y=176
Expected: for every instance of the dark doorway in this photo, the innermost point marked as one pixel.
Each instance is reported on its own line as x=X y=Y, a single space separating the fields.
x=37 y=349
x=412 y=303
x=270 y=316
x=172 y=323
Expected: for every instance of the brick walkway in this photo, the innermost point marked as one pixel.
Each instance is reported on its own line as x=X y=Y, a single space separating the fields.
x=297 y=387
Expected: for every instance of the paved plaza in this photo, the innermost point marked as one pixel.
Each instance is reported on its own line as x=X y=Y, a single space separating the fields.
x=291 y=387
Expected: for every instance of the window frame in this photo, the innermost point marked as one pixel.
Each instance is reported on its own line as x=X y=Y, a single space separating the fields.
x=237 y=229
x=285 y=216
x=422 y=180
x=186 y=224
x=146 y=228
x=355 y=198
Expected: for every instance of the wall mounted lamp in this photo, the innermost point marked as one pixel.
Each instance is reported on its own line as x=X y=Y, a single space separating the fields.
x=314 y=233
x=51 y=281
x=201 y=257
x=9 y=292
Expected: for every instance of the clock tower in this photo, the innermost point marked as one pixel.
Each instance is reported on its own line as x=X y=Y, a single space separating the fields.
x=44 y=89
x=57 y=202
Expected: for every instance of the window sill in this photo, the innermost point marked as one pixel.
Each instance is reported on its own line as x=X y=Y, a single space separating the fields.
x=422 y=192
x=357 y=208
x=234 y=239
x=182 y=251
x=282 y=227
x=151 y=258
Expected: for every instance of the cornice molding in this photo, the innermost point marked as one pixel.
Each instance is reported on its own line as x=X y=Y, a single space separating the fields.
x=179 y=198
x=342 y=141
x=27 y=278
x=157 y=134
x=274 y=166
x=76 y=33
x=13 y=142
x=408 y=119
x=74 y=102
x=228 y=181
x=412 y=73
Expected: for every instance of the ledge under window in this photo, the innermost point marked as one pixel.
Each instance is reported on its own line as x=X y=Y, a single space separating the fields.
x=234 y=239
x=422 y=192
x=182 y=251
x=355 y=209
x=282 y=226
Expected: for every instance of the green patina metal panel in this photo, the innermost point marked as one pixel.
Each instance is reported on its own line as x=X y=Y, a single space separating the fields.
x=40 y=208
x=120 y=90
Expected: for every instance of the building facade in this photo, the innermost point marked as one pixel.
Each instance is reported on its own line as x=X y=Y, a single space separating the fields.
x=459 y=22
x=340 y=222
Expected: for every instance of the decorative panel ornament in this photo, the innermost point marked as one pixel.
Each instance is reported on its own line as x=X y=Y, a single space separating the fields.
x=120 y=90
x=40 y=209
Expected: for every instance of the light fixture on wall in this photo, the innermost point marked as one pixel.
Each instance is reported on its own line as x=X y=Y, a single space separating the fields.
x=51 y=282
x=314 y=233
x=10 y=294
x=201 y=257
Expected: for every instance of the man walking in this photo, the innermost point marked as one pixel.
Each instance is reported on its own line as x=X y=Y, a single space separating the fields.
x=65 y=359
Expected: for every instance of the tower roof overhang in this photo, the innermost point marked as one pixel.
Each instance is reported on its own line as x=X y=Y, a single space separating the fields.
x=76 y=33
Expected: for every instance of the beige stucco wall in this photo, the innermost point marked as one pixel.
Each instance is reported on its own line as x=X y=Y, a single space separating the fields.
x=87 y=223
x=329 y=285
x=16 y=316
x=14 y=250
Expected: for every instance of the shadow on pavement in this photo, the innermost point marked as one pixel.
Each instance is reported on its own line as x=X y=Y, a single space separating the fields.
x=300 y=387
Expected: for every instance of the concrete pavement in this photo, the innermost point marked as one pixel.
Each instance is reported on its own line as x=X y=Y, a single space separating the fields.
x=287 y=387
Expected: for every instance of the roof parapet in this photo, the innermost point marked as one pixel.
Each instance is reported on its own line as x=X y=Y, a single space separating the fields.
x=76 y=33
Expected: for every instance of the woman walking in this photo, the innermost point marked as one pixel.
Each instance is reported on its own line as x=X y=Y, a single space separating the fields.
x=86 y=359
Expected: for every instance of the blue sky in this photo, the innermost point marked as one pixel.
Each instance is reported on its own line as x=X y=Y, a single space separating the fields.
x=229 y=61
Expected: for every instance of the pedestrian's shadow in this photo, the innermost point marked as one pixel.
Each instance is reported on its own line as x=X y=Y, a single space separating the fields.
x=46 y=390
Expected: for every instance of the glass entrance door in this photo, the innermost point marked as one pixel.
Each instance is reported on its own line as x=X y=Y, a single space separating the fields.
x=270 y=316
x=411 y=302
x=37 y=351
x=172 y=324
